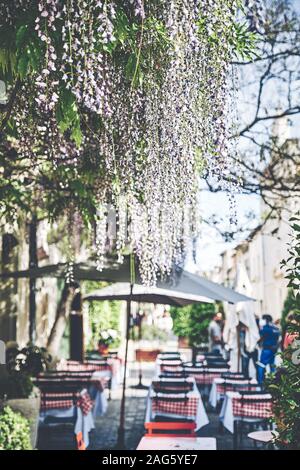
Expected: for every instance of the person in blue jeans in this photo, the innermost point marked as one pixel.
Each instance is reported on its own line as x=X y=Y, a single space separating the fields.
x=269 y=338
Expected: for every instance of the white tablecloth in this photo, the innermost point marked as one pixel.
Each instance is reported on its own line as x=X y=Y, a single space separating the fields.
x=177 y=443
x=226 y=415
x=84 y=424
x=201 y=417
x=99 y=397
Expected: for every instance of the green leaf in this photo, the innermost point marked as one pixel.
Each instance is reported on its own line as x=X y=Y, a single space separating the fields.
x=22 y=66
x=21 y=35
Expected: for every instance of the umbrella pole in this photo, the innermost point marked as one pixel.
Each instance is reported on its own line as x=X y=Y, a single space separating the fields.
x=140 y=385
x=121 y=431
x=33 y=262
x=239 y=348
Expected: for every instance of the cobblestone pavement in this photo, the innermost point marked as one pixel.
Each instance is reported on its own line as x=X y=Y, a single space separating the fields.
x=104 y=436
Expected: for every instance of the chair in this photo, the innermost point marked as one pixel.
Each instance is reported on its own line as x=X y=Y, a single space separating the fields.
x=239 y=385
x=250 y=403
x=170 y=352
x=170 y=359
x=62 y=385
x=172 y=386
x=216 y=363
x=80 y=441
x=97 y=362
x=212 y=354
x=234 y=375
x=173 y=374
x=171 y=368
x=219 y=365
x=52 y=423
x=193 y=364
x=177 y=429
x=62 y=419
x=65 y=373
x=168 y=404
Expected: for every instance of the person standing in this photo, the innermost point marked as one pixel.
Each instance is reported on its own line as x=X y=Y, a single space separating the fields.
x=246 y=355
x=269 y=338
x=215 y=333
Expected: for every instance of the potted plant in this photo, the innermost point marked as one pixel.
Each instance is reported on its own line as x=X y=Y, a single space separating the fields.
x=16 y=386
x=106 y=339
x=14 y=431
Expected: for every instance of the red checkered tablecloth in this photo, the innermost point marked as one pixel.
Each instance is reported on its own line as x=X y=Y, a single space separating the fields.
x=83 y=400
x=169 y=386
x=171 y=367
x=47 y=403
x=85 y=403
x=184 y=408
x=74 y=366
x=205 y=378
x=99 y=382
x=242 y=407
x=231 y=386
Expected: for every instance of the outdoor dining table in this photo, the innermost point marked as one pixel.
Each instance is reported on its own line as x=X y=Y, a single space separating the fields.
x=96 y=383
x=168 y=365
x=65 y=408
x=111 y=368
x=233 y=409
x=217 y=391
x=204 y=376
x=91 y=403
x=177 y=443
x=170 y=355
x=266 y=438
x=192 y=409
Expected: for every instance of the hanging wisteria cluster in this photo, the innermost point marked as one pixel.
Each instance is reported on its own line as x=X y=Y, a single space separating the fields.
x=141 y=93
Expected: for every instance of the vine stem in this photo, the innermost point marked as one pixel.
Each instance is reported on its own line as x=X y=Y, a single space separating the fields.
x=139 y=55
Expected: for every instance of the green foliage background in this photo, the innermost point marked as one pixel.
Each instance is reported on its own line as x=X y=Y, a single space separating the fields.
x=102 y=315
x=192 y=322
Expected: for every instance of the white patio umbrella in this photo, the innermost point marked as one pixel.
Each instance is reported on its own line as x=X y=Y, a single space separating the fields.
x=144 y=294
x=178 y=281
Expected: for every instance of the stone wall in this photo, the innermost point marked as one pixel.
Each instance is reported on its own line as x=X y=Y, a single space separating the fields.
x=14 y=294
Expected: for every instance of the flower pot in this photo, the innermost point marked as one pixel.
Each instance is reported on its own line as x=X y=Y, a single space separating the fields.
x=146 y=355
x=183 y=342
x=30 y=409
x=103 y=349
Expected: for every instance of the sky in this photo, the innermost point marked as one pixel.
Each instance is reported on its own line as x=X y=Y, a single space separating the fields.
x=210 y=244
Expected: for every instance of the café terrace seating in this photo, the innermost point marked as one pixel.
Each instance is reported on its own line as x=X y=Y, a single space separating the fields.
x=174 y=401
x=172 y=386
